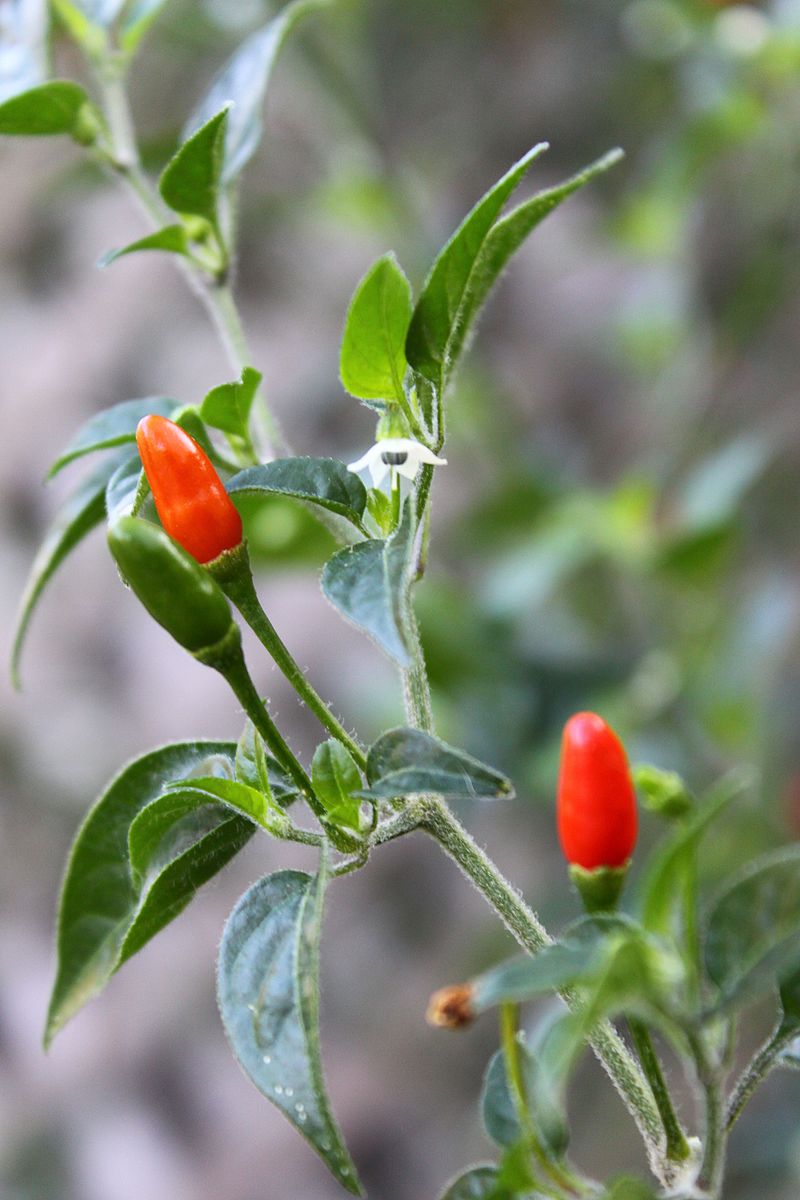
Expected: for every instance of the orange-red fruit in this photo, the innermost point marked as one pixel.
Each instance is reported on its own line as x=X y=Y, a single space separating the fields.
x=596 y=803
x=189 y=495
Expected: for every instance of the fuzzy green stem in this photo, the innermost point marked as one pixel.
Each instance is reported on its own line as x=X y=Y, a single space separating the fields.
x=757 y=1070
x=528 y=930
x=232 y=573
x=416 y=689
x=238 y=679
x=713 y=1164
x=677 y=1147
x=217 y=298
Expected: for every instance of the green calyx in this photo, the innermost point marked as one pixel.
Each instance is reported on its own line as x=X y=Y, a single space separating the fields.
x=600 y=888
x=231 y=566
x=392 y=424
x=174 y=588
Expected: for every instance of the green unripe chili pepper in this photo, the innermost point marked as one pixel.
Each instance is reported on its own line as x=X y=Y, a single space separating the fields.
x=171 y=584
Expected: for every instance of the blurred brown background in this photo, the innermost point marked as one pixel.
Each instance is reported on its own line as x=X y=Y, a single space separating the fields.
x=617 y=528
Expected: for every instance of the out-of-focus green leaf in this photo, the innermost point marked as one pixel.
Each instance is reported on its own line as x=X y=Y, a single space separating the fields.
x=372 y=362
x=243 y=83
x=49 y=108
x=268 y=989
x=136 y=20
x=753 y=933
x=172 y=239
x=478 y=1183
x=323 y=481
x=112 y=427
x=368 y=583
x=629 y=1188
x=88 y=21
x=436 y=314
x=79 y=514
x=227 y=407
x=406 y=761
x=498 y=1111
x=104 y=916
x=665 y=878
x=337 y=781
x=190 y=181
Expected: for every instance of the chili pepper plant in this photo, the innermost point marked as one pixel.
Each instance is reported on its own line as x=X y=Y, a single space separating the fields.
x=666 y=974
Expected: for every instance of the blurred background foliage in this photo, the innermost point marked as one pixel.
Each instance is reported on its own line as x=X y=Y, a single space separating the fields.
x=617 y=529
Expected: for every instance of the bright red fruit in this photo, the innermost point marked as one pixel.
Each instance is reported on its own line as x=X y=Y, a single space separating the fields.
x=596 y=803
x=189 y=495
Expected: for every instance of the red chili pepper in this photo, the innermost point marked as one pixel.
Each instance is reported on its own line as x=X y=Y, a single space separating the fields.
x=597 y=819
x=189 y=495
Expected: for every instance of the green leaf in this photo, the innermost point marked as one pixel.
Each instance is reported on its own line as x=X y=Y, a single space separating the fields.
x=190 y=181
x=323 y=481
x=368 y=583
x=405 y=761
x=502 y=241
x=126 y=490
x=555 y=967
x=372 y=363
x=173 y=239
x=260 y=770
x=437 y=310
x=227 y=407
x=243 y=83
x=337 y=780
x=79 y=514
x=50 y=108
x=136 y=20
x=268 y=989
x=112 y=427
x=165 y=815
x=498 y=1110
x=478 y=1183
x=753 y=933
x=89 y=21
x=104 y=917
x=664 y=881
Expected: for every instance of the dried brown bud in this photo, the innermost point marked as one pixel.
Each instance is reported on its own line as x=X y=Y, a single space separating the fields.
x=451 y=1007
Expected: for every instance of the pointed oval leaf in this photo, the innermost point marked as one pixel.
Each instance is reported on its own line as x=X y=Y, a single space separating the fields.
x=112 y=427
x=49 y=108
x=372 y=362
x=227 y=407
x=498 y=1111
x=126 y=491
x=753 y=932
x=268 y=983
x=368 y=583
x=99 y=902
x=502 y=241
x=337 y=780
x=323 y=481
x=172 y=239
x=665 y=878
x=405 y=761
x=80 y=513
x=153 y=832
x=442 y=296
x=243 y=82
x=191 y=179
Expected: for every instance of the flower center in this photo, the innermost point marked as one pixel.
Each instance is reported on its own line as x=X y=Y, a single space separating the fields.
x=394 y=458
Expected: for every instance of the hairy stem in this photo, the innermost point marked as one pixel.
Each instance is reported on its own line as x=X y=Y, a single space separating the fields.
x=677 y=1147
x=217 y=298
x=757 y=1070
x=243 y=688
x=713 y=1164
x=237 y=583
x=528 y=930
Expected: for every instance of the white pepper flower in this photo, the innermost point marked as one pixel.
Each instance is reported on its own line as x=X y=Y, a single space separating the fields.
x=390 y=456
